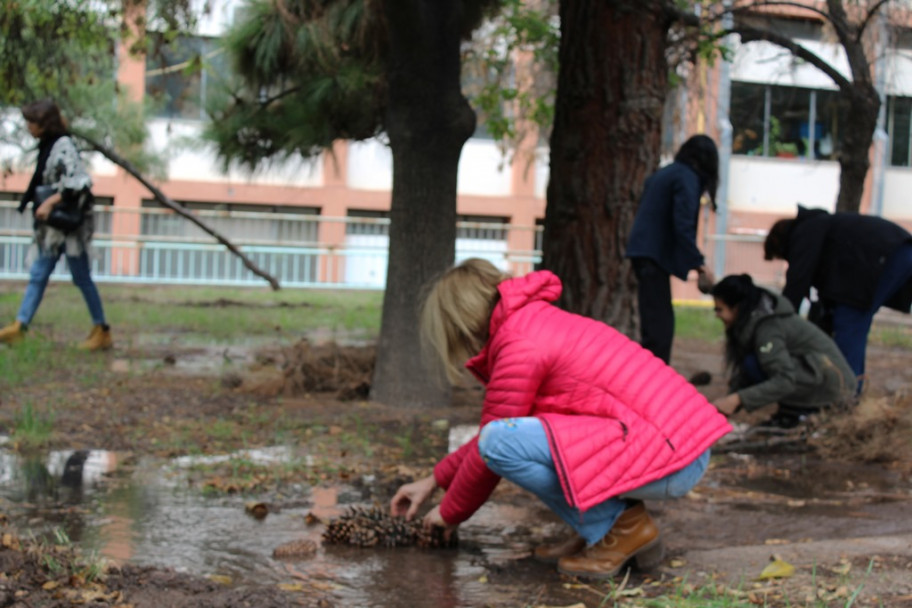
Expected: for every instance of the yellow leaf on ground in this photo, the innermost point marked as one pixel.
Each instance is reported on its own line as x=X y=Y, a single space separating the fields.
x=291 y=586
x=219 y=578
x=776 y=569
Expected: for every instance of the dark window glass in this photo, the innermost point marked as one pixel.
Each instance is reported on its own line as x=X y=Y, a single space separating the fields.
x=747 y=112
x=898 y=126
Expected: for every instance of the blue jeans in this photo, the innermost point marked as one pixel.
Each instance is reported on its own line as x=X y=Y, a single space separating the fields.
x=517 y=449
x=851 y=325
x=41 y=271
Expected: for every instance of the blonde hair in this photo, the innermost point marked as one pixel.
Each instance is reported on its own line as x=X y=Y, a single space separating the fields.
x=456 y=313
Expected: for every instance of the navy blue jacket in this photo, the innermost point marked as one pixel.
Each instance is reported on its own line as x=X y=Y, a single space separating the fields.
x=842 y=255
x=665 y=227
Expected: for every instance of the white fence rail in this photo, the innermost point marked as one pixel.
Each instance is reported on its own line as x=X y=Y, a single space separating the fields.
x=158 y=246
x=301 y=250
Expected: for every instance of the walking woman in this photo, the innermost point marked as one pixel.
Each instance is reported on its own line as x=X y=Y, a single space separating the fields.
x=58 y=166
x=776 y=356
x=574 y=412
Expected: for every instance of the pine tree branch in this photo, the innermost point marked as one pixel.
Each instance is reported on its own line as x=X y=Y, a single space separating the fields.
x=165 y=201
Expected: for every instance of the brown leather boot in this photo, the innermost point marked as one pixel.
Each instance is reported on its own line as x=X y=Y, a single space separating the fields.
x=12 y=333
x=633 y=536
x=99 y=339
x=552 y=552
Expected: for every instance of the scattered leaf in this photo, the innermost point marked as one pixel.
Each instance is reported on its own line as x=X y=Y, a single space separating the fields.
x=677 y=563
x=776 y=541
x=776 y=569
x=291 y=586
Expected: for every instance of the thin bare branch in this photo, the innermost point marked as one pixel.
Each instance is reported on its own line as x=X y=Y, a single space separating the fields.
x=179 y=209
x=751 y=5
x=867 y=20
x=750 y=34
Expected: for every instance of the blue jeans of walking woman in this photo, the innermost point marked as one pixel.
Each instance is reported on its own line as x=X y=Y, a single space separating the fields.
x=517 y=449
x=40 y=273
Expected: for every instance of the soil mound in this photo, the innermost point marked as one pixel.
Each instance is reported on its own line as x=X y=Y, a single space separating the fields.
x=876 y=430
x=343 y=370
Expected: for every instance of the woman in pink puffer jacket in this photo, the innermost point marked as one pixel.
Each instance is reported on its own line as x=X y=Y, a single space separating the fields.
x=574 y=412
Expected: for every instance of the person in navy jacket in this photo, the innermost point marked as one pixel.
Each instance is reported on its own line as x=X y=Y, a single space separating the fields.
x=663 y=240
x=857 y=263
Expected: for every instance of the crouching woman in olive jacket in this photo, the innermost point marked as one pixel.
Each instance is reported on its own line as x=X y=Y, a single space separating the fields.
x=776 y=356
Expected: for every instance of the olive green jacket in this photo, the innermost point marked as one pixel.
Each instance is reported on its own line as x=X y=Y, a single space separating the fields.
x=803 y=365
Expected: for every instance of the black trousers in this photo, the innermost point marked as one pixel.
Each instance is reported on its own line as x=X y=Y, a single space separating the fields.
x=657 y=322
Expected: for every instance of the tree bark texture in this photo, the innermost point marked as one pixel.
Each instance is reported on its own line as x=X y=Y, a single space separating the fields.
x=862 y=106
x=606 y=141
x=428 y=121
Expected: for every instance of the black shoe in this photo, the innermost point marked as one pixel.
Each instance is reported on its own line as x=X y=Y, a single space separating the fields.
x=785 y=420
x=701 y=378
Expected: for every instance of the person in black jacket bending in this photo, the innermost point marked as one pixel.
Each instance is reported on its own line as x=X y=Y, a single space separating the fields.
x=857 y=263
x=663 y=240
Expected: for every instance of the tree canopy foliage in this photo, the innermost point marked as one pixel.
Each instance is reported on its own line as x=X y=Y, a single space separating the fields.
x=67 y=51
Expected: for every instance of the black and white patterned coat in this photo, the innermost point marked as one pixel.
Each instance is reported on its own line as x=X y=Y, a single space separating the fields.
x=66 y=172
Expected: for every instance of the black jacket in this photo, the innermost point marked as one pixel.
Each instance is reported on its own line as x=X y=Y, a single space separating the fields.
x=665 y=227
x=843 y=256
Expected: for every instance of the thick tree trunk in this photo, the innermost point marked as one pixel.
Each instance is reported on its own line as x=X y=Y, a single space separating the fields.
x=863 y=105
x=429 y=120
x=606 y=140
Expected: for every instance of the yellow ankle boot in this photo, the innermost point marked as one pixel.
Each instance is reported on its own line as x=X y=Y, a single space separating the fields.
x=12 y=333
x=99 y=339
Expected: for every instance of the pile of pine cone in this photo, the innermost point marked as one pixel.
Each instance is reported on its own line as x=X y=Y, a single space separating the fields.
x=374 y=527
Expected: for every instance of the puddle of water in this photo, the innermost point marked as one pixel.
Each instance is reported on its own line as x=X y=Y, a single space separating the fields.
x=145 y=515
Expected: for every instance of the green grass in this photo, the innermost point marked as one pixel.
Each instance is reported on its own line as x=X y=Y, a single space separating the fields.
x=891 y=336
x=699 y=323
x=218 y=313
x=32 y=427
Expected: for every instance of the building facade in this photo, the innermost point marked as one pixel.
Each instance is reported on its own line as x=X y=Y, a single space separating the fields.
x=784 y=125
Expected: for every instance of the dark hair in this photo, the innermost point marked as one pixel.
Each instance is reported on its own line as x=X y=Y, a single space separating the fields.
x=700 y=154
x=776 y=243
x=46 y=114
x=738 y=292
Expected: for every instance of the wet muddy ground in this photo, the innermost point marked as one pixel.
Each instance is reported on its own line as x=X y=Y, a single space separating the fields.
x=156 y=460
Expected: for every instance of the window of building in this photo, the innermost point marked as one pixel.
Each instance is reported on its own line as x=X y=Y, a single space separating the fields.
x=771 y=120
x=367 y=222
x=245 y=223
x=899 y=125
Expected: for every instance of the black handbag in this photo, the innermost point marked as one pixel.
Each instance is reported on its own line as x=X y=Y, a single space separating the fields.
x=66 y=215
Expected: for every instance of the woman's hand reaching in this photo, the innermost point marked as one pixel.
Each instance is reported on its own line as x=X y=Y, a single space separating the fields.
x=729 y=404
x=433 y=519
x=411 y=496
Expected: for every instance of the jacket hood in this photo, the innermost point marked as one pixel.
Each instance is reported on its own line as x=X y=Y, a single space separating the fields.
x=770 y=305
x=806 y=212
x=540 y=286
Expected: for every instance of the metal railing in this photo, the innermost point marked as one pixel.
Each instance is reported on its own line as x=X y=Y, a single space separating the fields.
x=300 y=250
x=152 y=245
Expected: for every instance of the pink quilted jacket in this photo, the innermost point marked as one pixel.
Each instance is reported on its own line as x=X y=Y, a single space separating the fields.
x=616 y=416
